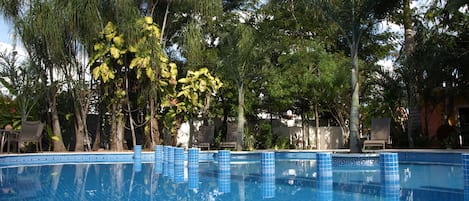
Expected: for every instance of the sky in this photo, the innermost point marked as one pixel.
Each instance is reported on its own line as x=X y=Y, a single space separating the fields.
x=5 y=31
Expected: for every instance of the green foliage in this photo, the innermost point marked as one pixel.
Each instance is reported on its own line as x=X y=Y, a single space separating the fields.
x=266 y=137
x=282 y=143
x=9 y=113
x=23 y=82
x=147 y=58
x=440 y=51
x=249 y=139
x=190 y=95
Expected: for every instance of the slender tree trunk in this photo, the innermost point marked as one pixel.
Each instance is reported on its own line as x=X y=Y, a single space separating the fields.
x=241 y=119
x=58 y=144
x=340 y=118
x=355 y=106
x=120 y=132
x=79 y=130
x=129 y=109
x=97 y=139
x=155 y=132
x=304 y=127
x=226 y=114
x=191 y=133
x=316 y=127
x=164 y=22
x=112 y=136
x=206 y=107
x=80 y=107
x=413 y=122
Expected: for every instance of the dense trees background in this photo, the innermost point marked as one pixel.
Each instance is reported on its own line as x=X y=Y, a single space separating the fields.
x=143 y=77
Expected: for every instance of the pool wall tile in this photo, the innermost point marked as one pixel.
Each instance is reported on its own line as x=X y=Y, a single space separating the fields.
x=324 y=180
x=158 y=153
x=465 y=164
x=224 y=171
x=389 y=172
x=171 y=162
x=179 y=165
x=339 y=160
x=324 y=166
x=267 y=163
x=431 y=157
x=193 y=168
x=193 y=158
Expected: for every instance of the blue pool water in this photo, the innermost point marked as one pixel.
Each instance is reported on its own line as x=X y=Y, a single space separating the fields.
x=293 y=179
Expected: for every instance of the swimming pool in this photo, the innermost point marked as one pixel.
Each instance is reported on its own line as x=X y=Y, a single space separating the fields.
x=291 y=176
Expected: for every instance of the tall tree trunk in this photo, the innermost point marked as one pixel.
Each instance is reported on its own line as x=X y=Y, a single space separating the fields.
x=80 y=107
x=413 y=122
x=79 y=129
x=226 y=114
x=191 y=133
x=304 y=127
x=205 y=110
x=355 y=105
x=57 y=143
x=316 y=127
x=155 y=132
x=241 y=119
x=117 y=128
x=168 y=3
x=97 y=138
x=120 y=132
x=129 y=109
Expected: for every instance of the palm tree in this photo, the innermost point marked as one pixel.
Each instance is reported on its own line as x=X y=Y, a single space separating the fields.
x=409 y=47
x=355 y=18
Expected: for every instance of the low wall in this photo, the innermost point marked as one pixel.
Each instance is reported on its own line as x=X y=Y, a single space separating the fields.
x=330 y=137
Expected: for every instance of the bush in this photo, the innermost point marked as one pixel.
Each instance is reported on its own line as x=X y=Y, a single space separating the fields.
x=266 y=138
x=282 y=143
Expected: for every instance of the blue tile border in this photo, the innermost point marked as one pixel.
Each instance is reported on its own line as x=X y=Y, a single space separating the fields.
x=453 y=158
x=344 y=160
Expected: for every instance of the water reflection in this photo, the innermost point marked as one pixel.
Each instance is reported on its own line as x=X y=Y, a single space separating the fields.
x=205 y=181
x=268 y=186
x=21 y=183
x=324 y=190
x=224 y=181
